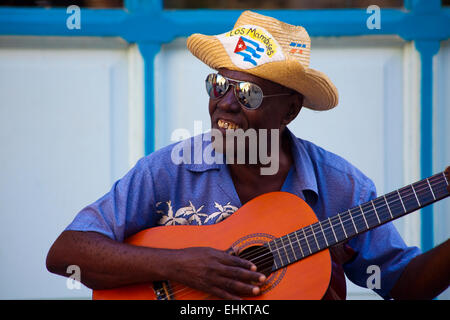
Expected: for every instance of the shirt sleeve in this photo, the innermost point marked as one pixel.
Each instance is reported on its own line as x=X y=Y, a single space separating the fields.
x=380 y=249
x=126 y=209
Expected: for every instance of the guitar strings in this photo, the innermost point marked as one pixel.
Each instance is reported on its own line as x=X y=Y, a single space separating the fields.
x=254 y=255
x=350 y=218
x=178 y=291
x=279 y=249
x=284 y=246
x=313 y=233
x=405 y=198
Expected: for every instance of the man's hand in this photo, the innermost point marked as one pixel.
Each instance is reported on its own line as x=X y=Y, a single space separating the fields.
x=426 y=276
x=216 y=272
x=107 y=264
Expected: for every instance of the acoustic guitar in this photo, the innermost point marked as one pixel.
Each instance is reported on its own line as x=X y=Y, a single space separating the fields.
x=293 y=252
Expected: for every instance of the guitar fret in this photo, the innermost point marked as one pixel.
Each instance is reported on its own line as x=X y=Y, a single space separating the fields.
x=438 y=186
x=284 y=248
x=381 y=210
x=326 y=226
x=403 y=205
x=411 y=198
x=293 y=251
x=280 y=253
x=351 y=218
x=362 y=212
x=397 y=205
x=412 y=187
x=425 y=192
x=274 y=259
x=343 y=228
x=314 y=234
x=299 y=244
x=436 y=181
x=445 y=177
x=332 y=229
x=326 y=241
x=376 y=213
x=307 y=242
x=320 y=236
x=338 y=228
x=434 y=197
x=389 y=208
x=293 y=243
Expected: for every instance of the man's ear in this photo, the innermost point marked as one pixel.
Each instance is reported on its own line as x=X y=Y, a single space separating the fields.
x=294 y=108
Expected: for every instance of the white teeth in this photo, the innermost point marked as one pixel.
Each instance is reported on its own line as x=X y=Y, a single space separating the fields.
x=227 y=124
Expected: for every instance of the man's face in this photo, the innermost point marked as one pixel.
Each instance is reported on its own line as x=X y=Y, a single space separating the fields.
x=273 y=113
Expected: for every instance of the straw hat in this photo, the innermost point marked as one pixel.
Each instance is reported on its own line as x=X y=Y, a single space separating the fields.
x=269 y=49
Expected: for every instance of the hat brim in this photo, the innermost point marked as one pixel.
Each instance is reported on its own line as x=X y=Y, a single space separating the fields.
x=319 y=92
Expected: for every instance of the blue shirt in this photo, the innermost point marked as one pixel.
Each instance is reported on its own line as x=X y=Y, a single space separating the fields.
x=157 y=191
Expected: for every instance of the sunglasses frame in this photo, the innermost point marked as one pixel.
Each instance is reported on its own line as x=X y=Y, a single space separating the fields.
x=233 y=82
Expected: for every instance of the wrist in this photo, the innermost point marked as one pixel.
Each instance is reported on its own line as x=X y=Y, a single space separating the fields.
x=164 y=262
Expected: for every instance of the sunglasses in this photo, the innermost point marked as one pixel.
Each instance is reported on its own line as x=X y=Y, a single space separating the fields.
x=249 y=95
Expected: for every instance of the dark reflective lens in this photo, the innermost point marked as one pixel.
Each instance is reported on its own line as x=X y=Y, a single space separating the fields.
x=248 y=94
x=216 y=85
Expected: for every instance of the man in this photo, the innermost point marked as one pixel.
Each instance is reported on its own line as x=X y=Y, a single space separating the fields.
x=263 y=80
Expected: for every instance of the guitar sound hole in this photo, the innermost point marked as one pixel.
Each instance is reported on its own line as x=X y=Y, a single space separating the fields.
x=260 y=256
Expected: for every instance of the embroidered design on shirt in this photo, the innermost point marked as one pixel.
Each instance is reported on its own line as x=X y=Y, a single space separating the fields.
x=224 y=212
x=169 y=219
x=192 y=215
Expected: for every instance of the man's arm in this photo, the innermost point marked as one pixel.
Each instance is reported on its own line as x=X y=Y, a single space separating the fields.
x=105 y=263
x=426 y=276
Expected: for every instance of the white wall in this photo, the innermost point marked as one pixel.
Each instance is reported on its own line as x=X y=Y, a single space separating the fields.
x=65 y=128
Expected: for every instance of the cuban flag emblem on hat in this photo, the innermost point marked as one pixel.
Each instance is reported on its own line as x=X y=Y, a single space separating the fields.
x=248 y=49
x=250 y=46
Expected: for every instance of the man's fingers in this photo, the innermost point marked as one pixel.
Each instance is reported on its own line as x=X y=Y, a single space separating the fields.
x=239 y=288
x=243 y=274
x=220 y=293
x=241 y=269
x=221 y=274
x=233 y=260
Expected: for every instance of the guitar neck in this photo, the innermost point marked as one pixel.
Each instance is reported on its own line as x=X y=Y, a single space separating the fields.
x=343 y=226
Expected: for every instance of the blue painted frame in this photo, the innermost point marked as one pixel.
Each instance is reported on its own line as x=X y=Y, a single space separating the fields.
x=147 y=24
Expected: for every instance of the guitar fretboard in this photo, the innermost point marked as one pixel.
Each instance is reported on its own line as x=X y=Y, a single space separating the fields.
x=345 y=225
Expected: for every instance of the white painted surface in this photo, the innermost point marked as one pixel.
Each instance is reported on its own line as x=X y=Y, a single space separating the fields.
x=64 y=133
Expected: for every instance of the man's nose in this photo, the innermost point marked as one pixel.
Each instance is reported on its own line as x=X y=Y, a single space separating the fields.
x=229 y=102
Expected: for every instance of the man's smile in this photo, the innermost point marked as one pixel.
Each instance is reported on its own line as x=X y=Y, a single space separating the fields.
x=227 y=124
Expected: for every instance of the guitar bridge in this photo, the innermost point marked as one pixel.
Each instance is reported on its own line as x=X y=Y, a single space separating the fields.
x=162 y=290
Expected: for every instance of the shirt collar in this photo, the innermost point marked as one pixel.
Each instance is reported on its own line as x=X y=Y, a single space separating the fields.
x=200 y=149
x=304 y=178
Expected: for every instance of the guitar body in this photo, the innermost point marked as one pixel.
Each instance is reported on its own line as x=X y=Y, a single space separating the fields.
x=262 y=219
